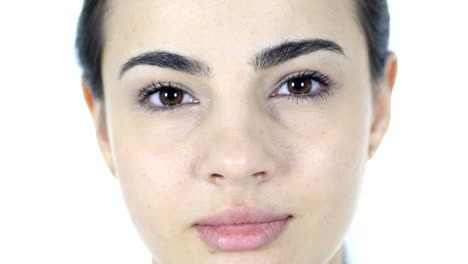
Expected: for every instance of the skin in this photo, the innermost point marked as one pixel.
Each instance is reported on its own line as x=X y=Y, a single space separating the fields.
x=238 y=146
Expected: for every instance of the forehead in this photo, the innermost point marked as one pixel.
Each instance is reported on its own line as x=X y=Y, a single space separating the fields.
x=222 y=32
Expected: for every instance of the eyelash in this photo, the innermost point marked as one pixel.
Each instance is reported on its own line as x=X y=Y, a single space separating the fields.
x=153 y=88
x=322 y=79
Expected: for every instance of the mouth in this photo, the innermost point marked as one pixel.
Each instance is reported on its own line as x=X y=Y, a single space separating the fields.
x=242 y=228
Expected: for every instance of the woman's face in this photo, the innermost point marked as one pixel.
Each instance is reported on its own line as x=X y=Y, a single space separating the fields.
x=237 y=137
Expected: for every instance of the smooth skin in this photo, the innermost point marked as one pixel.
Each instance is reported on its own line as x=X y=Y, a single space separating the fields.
x=238 y=146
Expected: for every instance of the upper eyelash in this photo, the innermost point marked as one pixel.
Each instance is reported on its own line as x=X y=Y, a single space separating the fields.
x=153 y=88
x=317 y=76
x=306 y=74
x=144 y=93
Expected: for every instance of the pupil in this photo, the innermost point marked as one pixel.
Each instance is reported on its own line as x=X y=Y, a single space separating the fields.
x=299 y=85
x=170 y=96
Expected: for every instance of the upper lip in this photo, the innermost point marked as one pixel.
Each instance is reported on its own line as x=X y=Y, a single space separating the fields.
x=242 y=215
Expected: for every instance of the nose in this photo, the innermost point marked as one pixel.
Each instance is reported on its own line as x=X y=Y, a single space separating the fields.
x=237 y=152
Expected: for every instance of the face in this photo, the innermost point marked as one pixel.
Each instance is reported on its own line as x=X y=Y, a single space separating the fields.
x=288 y=132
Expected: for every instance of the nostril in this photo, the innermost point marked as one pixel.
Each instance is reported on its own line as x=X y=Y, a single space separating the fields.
x=216 y=176
x=261 y=174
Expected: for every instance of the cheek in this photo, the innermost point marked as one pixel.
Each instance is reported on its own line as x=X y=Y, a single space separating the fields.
x=148 y=155
x=329 y=173
x=329 y=164
x=152 y=187
x=326 y=187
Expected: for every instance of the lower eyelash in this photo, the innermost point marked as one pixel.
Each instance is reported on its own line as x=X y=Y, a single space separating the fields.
x=145 y=106
x=307 y=97
x=153 y=88
x=310 y=76
x=162 y=109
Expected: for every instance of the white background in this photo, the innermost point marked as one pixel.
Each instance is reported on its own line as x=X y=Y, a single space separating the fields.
x=59 y=203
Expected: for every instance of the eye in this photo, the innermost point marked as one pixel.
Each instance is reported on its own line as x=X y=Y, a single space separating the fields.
x=304 y=86
x=164 y=97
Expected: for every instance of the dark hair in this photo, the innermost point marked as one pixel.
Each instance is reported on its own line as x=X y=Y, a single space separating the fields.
x=375 y=21
x=90 y=43
x=372 y=14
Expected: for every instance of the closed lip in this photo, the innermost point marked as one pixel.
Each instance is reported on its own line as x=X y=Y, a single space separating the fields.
x=242 y=215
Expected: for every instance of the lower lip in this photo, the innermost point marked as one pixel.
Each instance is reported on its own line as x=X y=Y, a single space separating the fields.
x=241 y=237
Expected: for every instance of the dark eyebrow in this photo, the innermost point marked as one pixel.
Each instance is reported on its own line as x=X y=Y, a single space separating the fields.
x=170 y=60
x=288 y=50
x=266 y=58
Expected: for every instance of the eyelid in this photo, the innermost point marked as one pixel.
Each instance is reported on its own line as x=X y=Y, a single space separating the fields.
x=143 y=93
x=324 y=79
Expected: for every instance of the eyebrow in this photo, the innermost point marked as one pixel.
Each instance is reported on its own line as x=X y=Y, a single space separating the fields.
x=262 y=60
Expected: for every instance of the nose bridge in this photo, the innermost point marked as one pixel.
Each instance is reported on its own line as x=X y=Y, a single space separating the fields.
x=237 y=150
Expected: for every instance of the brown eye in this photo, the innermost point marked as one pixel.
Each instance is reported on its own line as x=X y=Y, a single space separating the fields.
x=170 y=96
x=299 y=85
